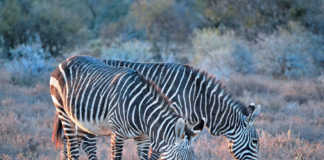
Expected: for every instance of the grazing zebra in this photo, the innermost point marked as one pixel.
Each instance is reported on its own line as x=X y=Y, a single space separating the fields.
x=201 y=98
x=92 y=98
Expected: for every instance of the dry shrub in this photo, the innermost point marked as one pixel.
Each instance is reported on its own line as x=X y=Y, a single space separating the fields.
x=221 y=53
x=210 y=147
x=291 y=54
x=5 y=157
x=287 y=146
x=238 y=84
x=302 y=91
x=8 y=127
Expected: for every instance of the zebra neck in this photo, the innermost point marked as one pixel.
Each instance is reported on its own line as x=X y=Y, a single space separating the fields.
x=223 y=114
x=162 y=132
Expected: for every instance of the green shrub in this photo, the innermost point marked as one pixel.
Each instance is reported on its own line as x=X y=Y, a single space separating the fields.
x=21 y=21
x=164 y=20
x=250 y=17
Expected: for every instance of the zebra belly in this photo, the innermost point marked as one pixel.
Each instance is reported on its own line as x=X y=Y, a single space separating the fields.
x=102 y=128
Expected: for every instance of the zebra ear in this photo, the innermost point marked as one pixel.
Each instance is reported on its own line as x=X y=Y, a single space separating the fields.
x=254 y=111
x=180 y=130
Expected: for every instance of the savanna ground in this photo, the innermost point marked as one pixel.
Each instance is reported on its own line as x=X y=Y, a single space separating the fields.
x=291 y=125
x=267 y=52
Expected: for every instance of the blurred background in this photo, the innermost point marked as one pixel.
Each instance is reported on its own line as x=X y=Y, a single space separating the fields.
x=270 y=52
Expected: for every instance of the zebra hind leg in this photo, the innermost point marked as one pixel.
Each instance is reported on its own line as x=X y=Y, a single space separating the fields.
x=89 y=145
x=117 y=143
x=71 y=140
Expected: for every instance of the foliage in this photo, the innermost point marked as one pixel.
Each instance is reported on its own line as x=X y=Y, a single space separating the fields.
x=222 y=54
x=29 y=64
x=132 y=50
x=249 y=17
x=290 y=54
x=164 y=20
x=21 y=20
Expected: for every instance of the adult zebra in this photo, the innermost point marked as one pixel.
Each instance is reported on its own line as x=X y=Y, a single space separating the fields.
x=102 y=100
x=200 y=98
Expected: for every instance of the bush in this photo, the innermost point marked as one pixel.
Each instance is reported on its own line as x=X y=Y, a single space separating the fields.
x=164 y=20
x=250 y=17
x=287 y=54
x=221 y=53
x=29 y=64
x=55 y=25
x=132 y=51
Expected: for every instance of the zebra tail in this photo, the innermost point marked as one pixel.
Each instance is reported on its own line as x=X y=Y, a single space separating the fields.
x=57 y=132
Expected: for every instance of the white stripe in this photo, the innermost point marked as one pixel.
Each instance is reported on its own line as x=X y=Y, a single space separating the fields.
x=54 y=82
x=55 y=101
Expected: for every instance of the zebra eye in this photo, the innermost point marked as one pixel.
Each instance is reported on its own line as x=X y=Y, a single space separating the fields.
x=254 y=141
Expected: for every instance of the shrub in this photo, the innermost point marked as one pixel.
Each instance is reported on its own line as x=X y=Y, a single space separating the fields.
x=164 y=20
x=56 y=26
x=289 y=54
x=29 y=64
x=248 y=18
x=132 y=50
x=221 y=53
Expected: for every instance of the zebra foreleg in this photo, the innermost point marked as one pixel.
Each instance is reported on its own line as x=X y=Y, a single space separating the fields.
x=143 y=147
x=154 y=155
x=117 y=143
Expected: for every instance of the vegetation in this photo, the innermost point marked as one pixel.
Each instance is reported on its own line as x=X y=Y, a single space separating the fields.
x=269 y=52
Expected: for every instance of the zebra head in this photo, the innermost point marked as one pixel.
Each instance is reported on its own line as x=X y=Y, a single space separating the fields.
x=245 y=143
x=184 y=150
x=185 y=136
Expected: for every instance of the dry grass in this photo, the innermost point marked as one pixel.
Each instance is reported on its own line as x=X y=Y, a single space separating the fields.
x=291 y=125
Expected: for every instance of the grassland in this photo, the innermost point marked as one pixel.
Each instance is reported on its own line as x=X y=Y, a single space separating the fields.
x=291 y=125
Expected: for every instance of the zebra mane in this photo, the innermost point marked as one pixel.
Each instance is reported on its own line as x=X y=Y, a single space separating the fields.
x=209 y=77
x=158 y=91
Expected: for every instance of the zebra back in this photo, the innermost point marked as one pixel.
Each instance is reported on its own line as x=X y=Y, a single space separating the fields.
x=201 y=97
x=94 y=96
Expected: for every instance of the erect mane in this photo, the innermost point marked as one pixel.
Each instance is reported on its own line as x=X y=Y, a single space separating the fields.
x=210 y=77
x=158 y=90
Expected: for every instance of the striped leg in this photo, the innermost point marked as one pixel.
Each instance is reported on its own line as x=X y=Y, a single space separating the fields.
x=89 y=142
x=89 y=145
x=143 y=147
x=117 y=143
x=64 y=148
x=71 y=139
x=154 y=155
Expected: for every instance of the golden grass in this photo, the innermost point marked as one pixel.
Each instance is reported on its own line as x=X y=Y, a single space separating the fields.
x=290 y=128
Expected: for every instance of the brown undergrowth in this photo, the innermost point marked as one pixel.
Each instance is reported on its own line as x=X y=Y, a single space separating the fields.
x=291 y=125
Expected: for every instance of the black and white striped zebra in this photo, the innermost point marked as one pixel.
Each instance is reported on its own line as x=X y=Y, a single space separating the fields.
x=201 y=98
x=92 y=98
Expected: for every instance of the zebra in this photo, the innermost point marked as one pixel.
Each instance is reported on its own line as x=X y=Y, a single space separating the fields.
x=93 y=99
x=202 y=98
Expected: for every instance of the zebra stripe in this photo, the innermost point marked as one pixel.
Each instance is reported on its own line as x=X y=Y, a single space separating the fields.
x=201 y=98
x=112 y=103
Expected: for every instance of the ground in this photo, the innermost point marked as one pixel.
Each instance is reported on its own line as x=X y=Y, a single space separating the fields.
x=290 y=126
